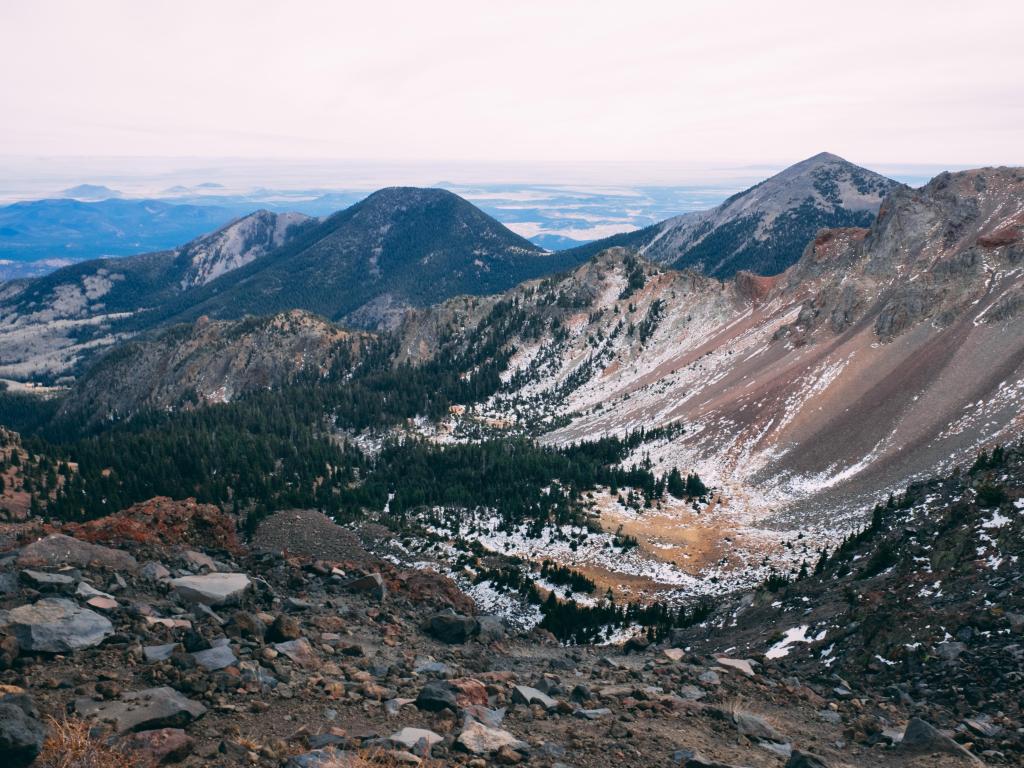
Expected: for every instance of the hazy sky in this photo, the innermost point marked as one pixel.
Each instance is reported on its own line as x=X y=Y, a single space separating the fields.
x=670 y=83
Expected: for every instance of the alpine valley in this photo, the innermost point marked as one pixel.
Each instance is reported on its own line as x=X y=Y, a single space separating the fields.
x=741 y=488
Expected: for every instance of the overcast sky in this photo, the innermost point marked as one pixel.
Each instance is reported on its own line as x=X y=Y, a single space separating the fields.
x=671 y=83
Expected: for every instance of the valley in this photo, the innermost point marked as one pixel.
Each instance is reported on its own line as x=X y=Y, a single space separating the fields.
x=604 y=452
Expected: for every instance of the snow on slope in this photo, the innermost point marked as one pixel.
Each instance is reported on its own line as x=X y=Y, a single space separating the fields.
x=882 y=355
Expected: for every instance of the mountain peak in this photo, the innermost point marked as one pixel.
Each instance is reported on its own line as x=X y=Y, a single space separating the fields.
x=763 y=229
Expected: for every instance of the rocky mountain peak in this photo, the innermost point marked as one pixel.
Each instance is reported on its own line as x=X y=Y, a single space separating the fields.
x=764 y=229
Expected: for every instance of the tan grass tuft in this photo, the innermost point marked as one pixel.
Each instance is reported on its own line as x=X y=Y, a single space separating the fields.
x=69 y=745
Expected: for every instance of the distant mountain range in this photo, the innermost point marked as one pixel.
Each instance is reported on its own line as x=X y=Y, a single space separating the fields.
x=763 y=229
x=397 y=249
x=77 y=229
x=366 y=265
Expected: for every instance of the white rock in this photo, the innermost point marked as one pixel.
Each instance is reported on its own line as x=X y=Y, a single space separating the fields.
x=212 y=588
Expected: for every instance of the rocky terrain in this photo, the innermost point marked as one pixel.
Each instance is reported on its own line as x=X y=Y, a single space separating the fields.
x=763 y=229
x=212 y=361
x=178 y=642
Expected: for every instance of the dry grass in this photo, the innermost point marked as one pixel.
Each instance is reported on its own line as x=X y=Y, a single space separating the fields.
x=69 y=745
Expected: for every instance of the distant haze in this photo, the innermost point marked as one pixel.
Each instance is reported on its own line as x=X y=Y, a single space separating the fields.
x=643 y=90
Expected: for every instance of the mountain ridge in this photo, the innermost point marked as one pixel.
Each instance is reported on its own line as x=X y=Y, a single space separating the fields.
x=764 y=228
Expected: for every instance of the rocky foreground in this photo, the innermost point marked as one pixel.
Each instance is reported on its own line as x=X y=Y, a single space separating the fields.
x=177 y=643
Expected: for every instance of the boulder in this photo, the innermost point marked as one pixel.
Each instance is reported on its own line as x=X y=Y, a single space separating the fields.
x=492 y=629
x=153 y=571
x=482 y=714
x=436 y=696
x=21 y=733
x=163 y=745
x=746 y=666
x=56 y=625
x=419 y=741
x=452 y=627
x=922 y=737
x=524 y=694
x=212 y=588
x=756 y=728
x=58 y=549
x=299 y=651
x=372 y=584
x=480 y=739
x=47 y=582
x=213 y=659
x=247 y=625
x=161 y=707
x=197 y=560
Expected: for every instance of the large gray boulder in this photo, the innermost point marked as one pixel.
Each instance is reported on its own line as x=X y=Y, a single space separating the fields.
x=212 y=588
x=143 y=710
x=56 y=625
x=58 y=549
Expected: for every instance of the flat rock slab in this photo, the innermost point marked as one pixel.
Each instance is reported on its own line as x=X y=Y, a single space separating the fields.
x=299 y=651
x=524 y=694
x=483 y=740
x=58 y=549
x=212 y=588
x=410 y=738
x=102 y=603
x=56 y=625
x=143 y=710
x=213 y=659
x=746 y=666
x=45 y=581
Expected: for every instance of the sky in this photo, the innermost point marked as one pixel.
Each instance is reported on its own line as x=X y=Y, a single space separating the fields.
x=644 y=90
